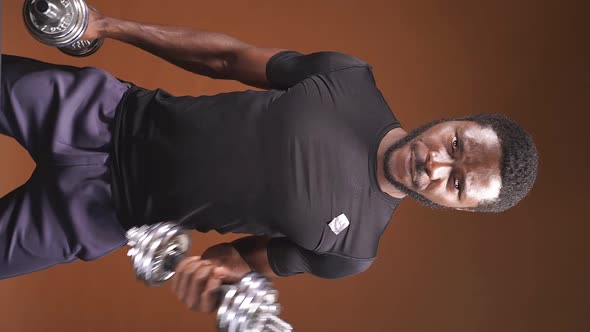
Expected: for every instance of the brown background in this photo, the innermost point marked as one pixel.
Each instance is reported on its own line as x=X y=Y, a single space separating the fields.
x=523 y=270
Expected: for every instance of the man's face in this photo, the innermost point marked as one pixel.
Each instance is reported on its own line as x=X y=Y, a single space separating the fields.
x=454 y=164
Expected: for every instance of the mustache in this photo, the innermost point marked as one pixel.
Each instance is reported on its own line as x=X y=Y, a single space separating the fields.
x=419 y=167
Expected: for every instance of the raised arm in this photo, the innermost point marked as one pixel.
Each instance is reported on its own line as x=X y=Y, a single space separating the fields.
x=211 y=54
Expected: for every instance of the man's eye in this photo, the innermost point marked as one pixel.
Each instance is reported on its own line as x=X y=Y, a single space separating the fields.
x=455 y=143
x=457 y=184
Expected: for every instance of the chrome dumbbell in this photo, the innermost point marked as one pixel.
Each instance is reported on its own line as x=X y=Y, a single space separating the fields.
x=248 y=306
x=61 y=23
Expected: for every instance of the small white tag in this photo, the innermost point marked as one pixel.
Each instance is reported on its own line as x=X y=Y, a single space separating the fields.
x=339 y=224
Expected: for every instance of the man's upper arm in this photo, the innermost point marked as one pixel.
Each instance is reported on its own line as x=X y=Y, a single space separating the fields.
x=248 y=65
x=281 y=69
x=288 y=68
x=286 y=258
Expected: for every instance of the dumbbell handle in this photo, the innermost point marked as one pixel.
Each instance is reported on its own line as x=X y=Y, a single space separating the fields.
x=50 y=12
x=173 y=259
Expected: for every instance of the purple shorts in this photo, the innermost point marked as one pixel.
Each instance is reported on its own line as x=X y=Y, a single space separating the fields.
x=64 y=117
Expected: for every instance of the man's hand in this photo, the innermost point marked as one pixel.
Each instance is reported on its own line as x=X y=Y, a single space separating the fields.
x=197 y=279
x=95 y=25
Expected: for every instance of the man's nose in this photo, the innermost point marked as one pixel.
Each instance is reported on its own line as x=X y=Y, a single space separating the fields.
x=438 y=165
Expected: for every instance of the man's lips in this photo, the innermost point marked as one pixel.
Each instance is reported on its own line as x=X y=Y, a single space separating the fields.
x=413 y=164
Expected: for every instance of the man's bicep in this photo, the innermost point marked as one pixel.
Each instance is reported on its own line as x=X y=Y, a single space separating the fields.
x=281 y=69
x=248 y=65
x=288 y=68
x=286 y=259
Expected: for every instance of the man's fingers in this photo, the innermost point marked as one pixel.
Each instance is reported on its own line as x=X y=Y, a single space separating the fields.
x=226 y=275
x=179 y=280
x=210 y=294
x=193 y=272
x=196 y=284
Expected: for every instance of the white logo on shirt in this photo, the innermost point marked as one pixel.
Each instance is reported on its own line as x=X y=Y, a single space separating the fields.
x=339 y=224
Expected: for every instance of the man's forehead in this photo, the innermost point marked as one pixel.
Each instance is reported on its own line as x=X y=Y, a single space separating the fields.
x=483 y=180
x=476 y=134
x=480 y=187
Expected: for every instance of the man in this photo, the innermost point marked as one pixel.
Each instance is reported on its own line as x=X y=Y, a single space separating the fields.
x=312 y=168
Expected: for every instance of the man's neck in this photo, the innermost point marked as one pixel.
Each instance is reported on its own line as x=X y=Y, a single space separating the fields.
x=390 y=138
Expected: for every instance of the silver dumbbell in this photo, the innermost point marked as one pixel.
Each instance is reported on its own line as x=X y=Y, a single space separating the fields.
x=248 y=306
x=61 y=23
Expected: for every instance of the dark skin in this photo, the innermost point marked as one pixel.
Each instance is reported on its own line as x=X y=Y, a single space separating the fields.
x=201 y=52
x=198 y=278
x=454 y=164
x=219 y=56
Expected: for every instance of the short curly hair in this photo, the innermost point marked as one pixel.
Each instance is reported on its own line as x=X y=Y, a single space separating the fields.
x=519 y=163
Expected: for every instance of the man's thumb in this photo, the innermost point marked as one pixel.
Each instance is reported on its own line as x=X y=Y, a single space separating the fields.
x=226 y=275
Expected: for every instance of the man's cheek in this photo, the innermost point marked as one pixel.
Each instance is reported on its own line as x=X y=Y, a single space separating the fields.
x=438 y=195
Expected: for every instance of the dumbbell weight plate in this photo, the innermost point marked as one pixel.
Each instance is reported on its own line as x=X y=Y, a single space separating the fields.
x=56 y=23
x=83 y=48
x=60 y=23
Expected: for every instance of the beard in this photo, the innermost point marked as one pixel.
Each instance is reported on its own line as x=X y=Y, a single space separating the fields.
x=419 y=166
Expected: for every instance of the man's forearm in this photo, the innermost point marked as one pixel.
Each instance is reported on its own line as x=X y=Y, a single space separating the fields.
x=254 y=250
x=198 y=51
x=242 y=255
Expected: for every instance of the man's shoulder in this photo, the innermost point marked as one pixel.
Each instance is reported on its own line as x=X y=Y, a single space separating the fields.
x=343 y=60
